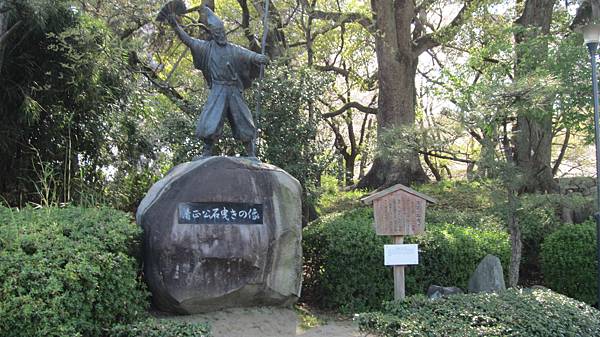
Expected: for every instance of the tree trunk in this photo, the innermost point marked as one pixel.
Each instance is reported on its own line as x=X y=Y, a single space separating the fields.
x=3 y=31
x=533 y=131
x=349 y=166
x=397 y=64
x=516 y=244
x=434 y=170
x=533 y=144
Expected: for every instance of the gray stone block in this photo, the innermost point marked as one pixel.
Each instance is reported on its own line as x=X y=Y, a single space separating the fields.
x=204 y=265
x=435 y=292
x=488 y=276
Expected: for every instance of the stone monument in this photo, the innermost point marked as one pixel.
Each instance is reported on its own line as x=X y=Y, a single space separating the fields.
x=219 y=231
x=222 y=232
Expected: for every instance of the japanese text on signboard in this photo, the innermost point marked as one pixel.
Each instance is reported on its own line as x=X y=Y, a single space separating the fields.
x=220 y=213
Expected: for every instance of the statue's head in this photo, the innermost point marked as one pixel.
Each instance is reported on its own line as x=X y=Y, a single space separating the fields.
x=216 y=27
x=219 y=36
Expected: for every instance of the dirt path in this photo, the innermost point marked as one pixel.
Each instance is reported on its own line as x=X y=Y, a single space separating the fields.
x=273 y=322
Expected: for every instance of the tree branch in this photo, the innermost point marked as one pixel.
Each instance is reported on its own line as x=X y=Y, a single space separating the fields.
x=338 y=17
x=441 y=156
x=254 y=45
x=332 y=68
x=128 y=32
x=339 y=143
x=341 y=18
x=434 y=170
x=350 y=105
x=563 y=151
x=430 y=40
x=9 y=32
x=171 y=93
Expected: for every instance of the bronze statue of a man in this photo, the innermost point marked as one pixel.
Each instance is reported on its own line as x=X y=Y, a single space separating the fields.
x=227 y=70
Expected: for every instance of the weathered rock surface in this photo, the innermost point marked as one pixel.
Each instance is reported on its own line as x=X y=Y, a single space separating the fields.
x=434 y=292
x=194 y=263
x=488 y=276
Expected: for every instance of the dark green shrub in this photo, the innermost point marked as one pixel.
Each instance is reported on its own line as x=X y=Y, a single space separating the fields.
x=538 y=217
x=540 y=313
x=68 y=271
x=161 y=328
x=343 y=260
x=569 y=263
x=450 y=253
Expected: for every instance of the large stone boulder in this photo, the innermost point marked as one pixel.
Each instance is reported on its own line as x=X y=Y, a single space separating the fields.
x=222 y=232
x=488 y=276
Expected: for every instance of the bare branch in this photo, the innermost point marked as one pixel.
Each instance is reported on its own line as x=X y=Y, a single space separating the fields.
x=350 y=105
x=563 y=150
x=341 y=18
x=171 y=93
x=430 y=40
x=338 y=17
x=332 y=68
x=181 y=56
x=297 y=44
x=9 y=32
x=434 y=170
x=128 y=32
x=424 y=5
x=449 y=157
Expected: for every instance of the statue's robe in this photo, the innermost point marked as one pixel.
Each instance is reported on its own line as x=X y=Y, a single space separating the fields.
x=228 y=71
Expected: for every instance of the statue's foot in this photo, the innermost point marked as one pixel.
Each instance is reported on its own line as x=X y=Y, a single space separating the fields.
x=202 y=156
x=253 y=158
x=250 y=148
x=207 y=150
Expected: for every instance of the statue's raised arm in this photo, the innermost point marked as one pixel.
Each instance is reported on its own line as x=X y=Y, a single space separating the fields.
x=169 y=13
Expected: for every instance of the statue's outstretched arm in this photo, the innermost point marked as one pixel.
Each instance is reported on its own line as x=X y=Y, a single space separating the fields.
x=252 y=56
x=183 y=36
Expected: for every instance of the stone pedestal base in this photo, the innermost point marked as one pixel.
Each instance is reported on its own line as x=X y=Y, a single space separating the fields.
x=222 y=232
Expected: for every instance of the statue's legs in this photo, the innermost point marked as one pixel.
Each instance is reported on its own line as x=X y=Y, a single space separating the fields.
x=207 y=151
x=240 y=119
x=226 y=99
x=210 y=122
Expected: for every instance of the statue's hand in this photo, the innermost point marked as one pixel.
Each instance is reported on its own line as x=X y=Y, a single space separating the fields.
x=172 y=19
x=263 y=59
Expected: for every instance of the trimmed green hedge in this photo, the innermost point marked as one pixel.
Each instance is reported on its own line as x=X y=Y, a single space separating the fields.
x=343 y=260
x=68 y=271
x=569 y=263
x=541 y=313
x=152 y=327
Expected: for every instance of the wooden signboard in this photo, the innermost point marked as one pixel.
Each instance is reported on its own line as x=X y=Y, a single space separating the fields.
x=399 y=211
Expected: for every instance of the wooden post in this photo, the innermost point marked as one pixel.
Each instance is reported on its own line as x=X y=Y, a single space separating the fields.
x=399 y=290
